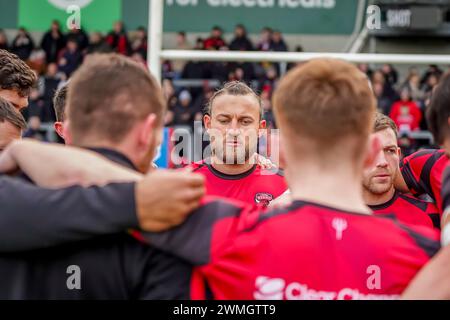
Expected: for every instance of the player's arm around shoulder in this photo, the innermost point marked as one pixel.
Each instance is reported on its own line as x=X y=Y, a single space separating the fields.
x=206 y=230
x=34 y=217
x=55 y=166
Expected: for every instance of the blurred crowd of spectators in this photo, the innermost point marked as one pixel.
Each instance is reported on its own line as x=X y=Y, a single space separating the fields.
x=404 y=100
x=59 y=54
x=186 y=104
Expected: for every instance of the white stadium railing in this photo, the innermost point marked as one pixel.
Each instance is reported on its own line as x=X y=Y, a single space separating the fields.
x=253 y=56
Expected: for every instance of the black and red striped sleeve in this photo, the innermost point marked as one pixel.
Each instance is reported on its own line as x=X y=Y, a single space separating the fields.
x=446 y=189
x=421 y=172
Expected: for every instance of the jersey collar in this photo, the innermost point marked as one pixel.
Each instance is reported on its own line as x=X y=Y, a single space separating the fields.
x=115 y=156
x=386 y=204
x=225 y=176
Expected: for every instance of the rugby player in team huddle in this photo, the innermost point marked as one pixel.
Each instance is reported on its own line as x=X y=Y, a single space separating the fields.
x=378 y=182
x=234 y=122
x=327 y=244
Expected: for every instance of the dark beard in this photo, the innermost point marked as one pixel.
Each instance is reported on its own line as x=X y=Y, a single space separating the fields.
x=234 y=158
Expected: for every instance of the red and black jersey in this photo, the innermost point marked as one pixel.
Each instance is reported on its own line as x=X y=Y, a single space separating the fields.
x=423 y=172
x=303 y=251
x=410 y=210
x=446 y=189
x=256 y=186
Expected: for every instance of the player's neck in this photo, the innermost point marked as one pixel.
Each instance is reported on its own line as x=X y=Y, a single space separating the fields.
x=337 y=187
x=231 y=169
x=117 y=148
x=372 y=199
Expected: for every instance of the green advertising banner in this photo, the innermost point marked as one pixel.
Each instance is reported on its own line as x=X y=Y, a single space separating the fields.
x=97 y=15
x=289 y=16
x=8 y=14
x=329 y=17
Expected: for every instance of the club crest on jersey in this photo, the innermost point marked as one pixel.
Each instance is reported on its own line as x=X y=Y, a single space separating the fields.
x=263 y=198
x=340 y=225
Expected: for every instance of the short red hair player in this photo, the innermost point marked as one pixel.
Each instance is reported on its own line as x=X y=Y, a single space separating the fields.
x=326 y=244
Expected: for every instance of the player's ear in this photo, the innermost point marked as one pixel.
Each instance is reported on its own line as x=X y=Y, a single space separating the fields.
x=148 y=130
x=207 y=121
x=373 y=149
x=59 y=128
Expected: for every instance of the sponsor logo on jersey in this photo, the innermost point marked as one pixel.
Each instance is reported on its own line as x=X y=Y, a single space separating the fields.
x=267 y=288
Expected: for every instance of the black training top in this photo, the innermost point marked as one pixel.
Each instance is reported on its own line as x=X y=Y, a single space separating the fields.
x=105 y=267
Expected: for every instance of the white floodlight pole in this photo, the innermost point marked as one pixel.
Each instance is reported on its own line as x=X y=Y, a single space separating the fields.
x=155 y=23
